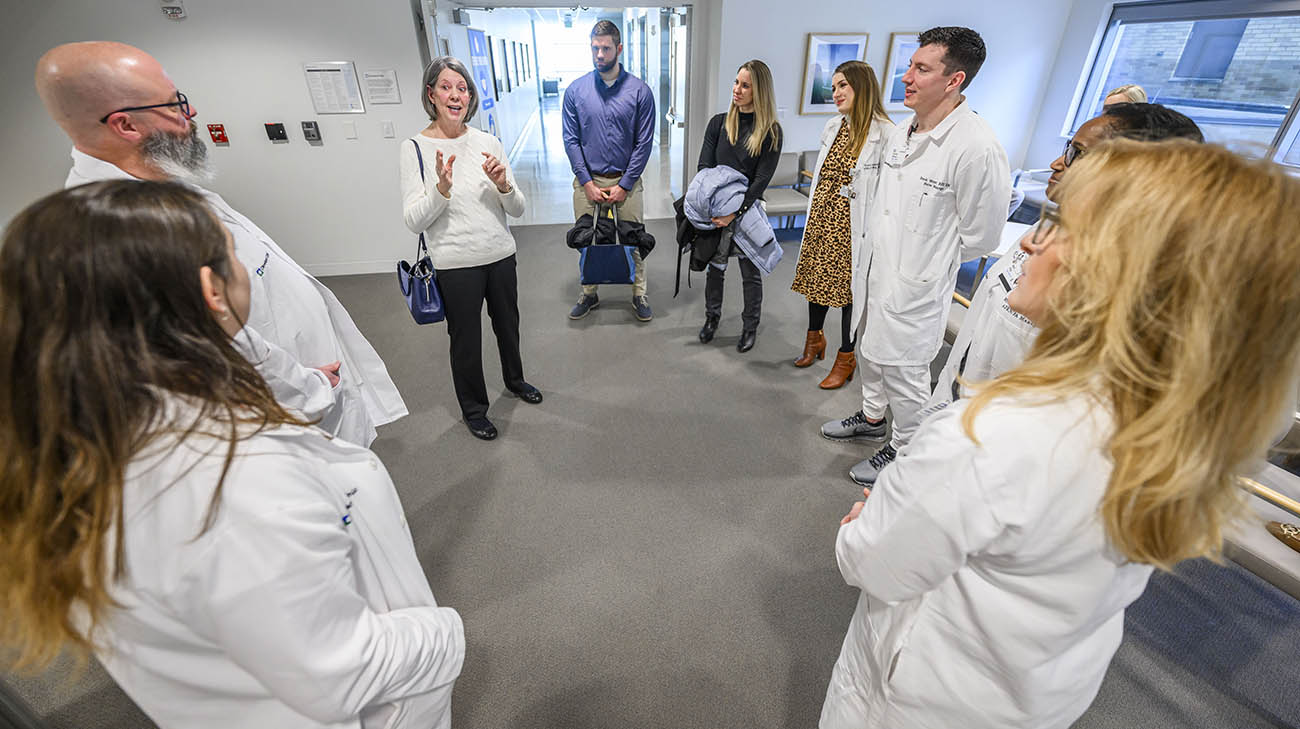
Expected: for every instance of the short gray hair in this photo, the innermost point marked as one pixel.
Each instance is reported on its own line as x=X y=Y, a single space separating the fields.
x=431 y=74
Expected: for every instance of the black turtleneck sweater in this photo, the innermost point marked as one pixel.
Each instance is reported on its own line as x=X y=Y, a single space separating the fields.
x=718 y=150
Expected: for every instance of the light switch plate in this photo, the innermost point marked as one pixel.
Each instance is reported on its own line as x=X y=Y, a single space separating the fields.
x=387 y=128
x=349 y=130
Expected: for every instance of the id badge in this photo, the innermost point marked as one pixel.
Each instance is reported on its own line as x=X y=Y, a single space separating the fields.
x=846 y=191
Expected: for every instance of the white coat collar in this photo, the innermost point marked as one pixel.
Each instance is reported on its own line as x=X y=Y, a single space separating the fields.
x=941 y=130
x=93 y=169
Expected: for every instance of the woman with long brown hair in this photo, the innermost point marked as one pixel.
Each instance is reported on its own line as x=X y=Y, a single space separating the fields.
x=230 y=564
x=997 y=554
x=847 y=166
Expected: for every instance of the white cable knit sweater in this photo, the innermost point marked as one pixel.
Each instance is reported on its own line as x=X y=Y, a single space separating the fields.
x=469 y=229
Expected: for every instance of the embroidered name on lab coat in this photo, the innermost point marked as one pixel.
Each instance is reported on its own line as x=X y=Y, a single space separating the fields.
x=934 y=184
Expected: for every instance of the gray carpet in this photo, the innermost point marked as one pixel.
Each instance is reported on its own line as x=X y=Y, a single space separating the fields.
x=652 y=546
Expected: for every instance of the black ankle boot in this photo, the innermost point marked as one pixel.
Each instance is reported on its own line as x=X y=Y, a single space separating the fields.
x=747 y=339
x=709 y=329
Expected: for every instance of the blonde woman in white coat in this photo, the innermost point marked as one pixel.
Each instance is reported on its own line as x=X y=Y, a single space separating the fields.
x=229 y=564
x=848 y=166
x=997 y=553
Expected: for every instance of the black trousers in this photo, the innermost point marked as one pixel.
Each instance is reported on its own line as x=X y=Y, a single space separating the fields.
x=751 y=281
x=463 y=292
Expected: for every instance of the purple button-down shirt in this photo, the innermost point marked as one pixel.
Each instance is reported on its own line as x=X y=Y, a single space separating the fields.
x=608 y=130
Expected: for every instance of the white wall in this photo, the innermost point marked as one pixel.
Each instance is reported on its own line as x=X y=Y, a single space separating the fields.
x=1087 y=19
x=335 y=207
x=517 y=107
x=1021 y=35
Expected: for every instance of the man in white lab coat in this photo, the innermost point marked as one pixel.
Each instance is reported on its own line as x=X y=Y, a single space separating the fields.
x=127 y=120
x=942 y=199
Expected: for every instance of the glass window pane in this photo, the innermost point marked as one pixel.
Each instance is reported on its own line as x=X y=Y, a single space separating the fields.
x=1235 y=77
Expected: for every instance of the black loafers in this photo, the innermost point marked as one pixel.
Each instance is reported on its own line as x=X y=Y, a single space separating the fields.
x=747 y=339
x=528 y=394
x=709 y=329
x=481 y=428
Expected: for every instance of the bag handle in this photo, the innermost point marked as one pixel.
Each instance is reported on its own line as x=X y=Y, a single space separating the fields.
x=422 y=250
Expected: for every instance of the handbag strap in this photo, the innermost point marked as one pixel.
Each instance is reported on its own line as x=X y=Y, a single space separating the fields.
x=422 y=250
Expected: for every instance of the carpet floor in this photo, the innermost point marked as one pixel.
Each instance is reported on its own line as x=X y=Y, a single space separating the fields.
x=653 y=545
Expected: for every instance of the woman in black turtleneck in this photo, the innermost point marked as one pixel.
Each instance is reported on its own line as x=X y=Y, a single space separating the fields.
x=746 y=138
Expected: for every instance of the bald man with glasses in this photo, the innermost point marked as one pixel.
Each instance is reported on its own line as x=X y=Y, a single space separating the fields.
x=127 y=120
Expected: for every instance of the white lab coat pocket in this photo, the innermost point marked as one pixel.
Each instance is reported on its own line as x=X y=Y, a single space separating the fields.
x=910 y=298
x=914 y=308
x=928 y=211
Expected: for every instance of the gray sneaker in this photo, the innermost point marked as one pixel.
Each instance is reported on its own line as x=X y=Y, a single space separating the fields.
x=866 y=473
x=854 y=427
x=641 y=305
x=585 y=304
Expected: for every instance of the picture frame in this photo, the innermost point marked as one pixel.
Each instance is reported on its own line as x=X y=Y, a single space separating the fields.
x=825 y=51
x=515 y=48
x=504 y=68
x=901 y=47
x=492 y=62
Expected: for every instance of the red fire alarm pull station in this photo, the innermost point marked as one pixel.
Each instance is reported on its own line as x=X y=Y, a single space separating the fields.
x=218 y=132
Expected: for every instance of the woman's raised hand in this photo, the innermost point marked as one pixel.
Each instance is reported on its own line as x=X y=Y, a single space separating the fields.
x=496 y=172
x=444 y=173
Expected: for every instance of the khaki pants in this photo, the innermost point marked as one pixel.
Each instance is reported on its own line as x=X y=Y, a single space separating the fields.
x=630 y=210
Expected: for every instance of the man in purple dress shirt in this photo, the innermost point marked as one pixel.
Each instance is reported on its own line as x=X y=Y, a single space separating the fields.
x=609 y=124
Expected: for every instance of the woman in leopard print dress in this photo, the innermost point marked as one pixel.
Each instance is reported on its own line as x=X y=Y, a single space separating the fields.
x=824 y=272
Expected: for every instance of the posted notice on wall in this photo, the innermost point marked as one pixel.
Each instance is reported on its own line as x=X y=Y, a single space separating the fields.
x=333 y=87
x=381 y=86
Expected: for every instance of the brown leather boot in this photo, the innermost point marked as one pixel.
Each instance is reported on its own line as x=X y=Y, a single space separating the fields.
x=841 y=371
x=814 y=348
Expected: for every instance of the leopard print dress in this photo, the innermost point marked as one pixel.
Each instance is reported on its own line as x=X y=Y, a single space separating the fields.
x=825 y=269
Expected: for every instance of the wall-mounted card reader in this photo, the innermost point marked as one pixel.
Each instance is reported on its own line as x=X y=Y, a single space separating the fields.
x=275 y=132
x=311 y=131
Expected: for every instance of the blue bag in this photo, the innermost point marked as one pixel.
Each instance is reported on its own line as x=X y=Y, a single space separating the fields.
x=418 y=283
x=605 y=263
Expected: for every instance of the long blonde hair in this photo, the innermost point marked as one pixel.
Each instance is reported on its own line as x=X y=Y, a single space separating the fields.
x=1177 y=306
x=101 y=315
x=867 y=103
x=765 y=125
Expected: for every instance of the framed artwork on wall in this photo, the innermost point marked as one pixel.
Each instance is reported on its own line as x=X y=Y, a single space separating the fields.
x=826 y=51
x=496 y=75
x=901 y=48
x=503 y=68
x=519 y=76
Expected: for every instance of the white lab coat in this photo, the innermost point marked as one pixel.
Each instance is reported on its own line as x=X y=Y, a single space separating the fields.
x=941 y=200
x=865 y=172
x=990 y=594
x=992 y=338
x=303 y=606
x=297 y=313
x=299 y=388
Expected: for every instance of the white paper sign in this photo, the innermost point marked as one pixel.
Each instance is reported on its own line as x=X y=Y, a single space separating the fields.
x=333 y=87
x=381 y=86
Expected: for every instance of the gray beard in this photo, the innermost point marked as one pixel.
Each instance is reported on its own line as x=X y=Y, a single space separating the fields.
x=183 y=158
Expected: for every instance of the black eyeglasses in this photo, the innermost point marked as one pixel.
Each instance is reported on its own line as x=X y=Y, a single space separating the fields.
x=180 y=101
x=1049 y=221
x=1071 y=153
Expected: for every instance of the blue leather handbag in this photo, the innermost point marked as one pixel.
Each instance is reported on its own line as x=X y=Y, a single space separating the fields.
x=605 y=262
x=418 y=283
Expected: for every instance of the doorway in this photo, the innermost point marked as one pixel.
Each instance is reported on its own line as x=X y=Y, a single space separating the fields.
x=655 y=42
